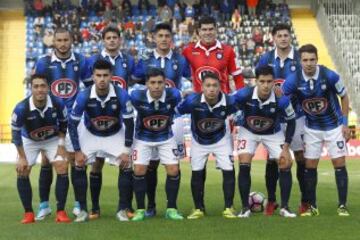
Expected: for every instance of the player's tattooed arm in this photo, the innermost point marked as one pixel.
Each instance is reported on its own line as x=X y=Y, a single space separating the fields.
x=345 y=111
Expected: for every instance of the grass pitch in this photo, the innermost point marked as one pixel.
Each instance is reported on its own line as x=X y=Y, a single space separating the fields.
x=327 y=226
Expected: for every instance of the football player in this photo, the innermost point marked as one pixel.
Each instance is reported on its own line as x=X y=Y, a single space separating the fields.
x=39 y=123
x=317 y=89
x=106 y=108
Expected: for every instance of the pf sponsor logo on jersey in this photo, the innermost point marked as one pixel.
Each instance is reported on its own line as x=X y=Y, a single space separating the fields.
x=259 y=124
x=279 y=82
x=42 y=133
x=156 y=122
x=103 y=123
x=201 y=72
x=315 y=106
x=169 y=83
x=64 y=88
x=209 y=125
x=119 y=81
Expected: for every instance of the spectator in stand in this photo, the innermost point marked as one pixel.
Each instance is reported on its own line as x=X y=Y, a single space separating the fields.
x=171 y=3
x=250 y=46
x=240 y=4
x=38 y=6
x=189 y=12
x=257 y=37
x=126 y=6
x=227 y=8
x=119 y=14
x=251 y=4
x=165 y=14
x=268 y=39
x=108 y=13
x=48 y=38
x=144 y=5
x=236 y=20
x=99 y=8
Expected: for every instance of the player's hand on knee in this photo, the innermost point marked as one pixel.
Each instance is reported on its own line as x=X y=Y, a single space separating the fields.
x=22 y=166
x=346 y=133
x=278 y=91
x=80 y=158
x=285 y=157
x=124 y=160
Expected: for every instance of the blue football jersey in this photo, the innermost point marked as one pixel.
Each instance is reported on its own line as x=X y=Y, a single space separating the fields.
x=123 y=67
x=282 y=69
x=207 y=123
x=38 y=124
x=262 y=117
x=154 y=117
x=64 y=76
x=174 y=66
x=318 y=97
x=102 y=117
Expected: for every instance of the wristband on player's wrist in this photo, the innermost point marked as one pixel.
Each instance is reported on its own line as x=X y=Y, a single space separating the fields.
x=345 y=121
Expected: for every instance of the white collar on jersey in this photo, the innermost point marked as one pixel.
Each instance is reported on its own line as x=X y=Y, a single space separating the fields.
x=268 y=101
x=111 y=93
x=207 y=51
x=105 y=54
x=54 y=58
x=222 y=101
x=47 y=106
x=168 y=56
x=316 y=75
x=151 y=99
x=290 y=55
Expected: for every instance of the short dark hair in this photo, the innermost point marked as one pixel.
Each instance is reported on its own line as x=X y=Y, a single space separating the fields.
x=308 y=48
x=162 y=26
x=279 y=27
x=110 y=29
x=154 y=72
x=209 y=74
x=39 y=76
x=102 y=65
x=206 y=20
x=264 y=70
x=62 y=30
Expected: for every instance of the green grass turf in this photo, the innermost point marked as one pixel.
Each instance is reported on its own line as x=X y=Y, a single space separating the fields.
x=327 y=226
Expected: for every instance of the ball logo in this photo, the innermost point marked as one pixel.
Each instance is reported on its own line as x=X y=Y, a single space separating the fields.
x=156 y=122
x=119 y=81
x=259 y=124
x=169 y=83
x=103 y=123
x=64 y=88
x=42 y=133
x=202 y=71
x=209 y=125
x=315 y=106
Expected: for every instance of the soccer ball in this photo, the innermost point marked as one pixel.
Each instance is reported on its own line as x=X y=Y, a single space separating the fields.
x=257 y=201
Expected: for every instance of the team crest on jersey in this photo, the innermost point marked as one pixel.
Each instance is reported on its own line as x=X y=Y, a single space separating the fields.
x=42 y=133
x=113 y=106
x=209 y=125
x=64 y=88
x=259 y=124
x=76 y=68
x=323 y=87
x=175 y=67
x=119 y=81
x=340 y=144
x=103 y=123
x=219 y=56
x=315 y=106
x=156 y=122
x=54 y=114
x=201 y=71
x=169 y=83
x=272 y=110
x=293 y=68
x=279 y=82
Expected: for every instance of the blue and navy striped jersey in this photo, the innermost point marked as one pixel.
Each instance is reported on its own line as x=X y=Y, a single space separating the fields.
x=64 y=76
x=123 y=67
x=154 y=117
x=102 y=116
x=282 y=69
x=174 y=66
x=38 y=124
x=318 y=97
x=262 y=117
x=207 y=122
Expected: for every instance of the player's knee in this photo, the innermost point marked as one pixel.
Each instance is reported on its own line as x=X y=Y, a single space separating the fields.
x=153 y=165
x=311 y=163
x=71 y=158
x=98 y=165
x=23 y=173
x=140 y=170
x=338 y=162
x=61 y=167
x=172 y=170
x=44 y=161
x=299 y=157
x=285 y=164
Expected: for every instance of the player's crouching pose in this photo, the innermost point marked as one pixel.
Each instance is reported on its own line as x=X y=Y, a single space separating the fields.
x=39 y=124
x=317 y=89
x=262 y=111
x=155 y=107
x=210 y=135
x=106 y=107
